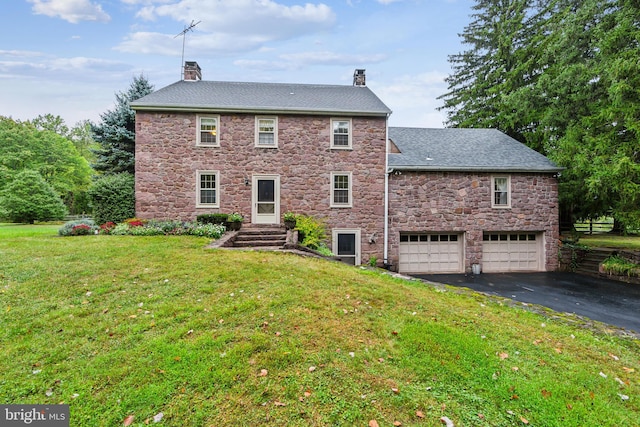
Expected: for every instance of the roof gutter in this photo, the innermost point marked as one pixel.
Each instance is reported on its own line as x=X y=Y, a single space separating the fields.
x=400 y=168
x=187 y=109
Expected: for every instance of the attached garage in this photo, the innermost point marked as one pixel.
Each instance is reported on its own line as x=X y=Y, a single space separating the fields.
x=431 y=253
x=507 y=252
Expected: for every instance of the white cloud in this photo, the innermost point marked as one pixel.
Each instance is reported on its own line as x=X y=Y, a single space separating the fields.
x=226 y=26
x=331 y=58
x=412 y=98
x=73 y=11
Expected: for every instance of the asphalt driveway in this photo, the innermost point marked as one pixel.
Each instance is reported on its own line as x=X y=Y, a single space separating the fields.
x=606 y=301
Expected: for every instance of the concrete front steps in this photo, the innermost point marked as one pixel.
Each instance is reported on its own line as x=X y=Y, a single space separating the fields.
x=260 y=237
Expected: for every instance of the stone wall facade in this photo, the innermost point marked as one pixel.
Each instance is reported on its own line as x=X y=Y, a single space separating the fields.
x=167 y=159
x=461 y=202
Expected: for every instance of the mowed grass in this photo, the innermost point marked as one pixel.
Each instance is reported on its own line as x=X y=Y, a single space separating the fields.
x=120 y=326
x=631 y=242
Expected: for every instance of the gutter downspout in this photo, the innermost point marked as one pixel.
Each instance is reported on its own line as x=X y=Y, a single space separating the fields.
x=386 y=194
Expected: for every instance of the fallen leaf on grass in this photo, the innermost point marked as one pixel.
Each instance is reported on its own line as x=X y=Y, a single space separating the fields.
x=419 y=414
x=312 y=368
x=263 y=373
x=277 y=403
x=613 y=356
x=307 y=393
x=545 y=393
x=524 y=420
x=628 y=370
x=128 y=421
x=503 y=356
x=373 y=423
x=397 y=423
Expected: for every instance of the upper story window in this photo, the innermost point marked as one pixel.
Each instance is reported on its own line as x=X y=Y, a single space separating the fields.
x=208 y=184
x=341 y=133
x=500 y=192
x=208 y=131
x=341 y=190
x=267 y=132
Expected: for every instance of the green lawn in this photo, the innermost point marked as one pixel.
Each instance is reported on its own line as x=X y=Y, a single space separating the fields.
x=611 y=241
x=120 y=326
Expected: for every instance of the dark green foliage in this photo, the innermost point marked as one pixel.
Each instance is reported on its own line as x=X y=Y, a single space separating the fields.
x=37 y=148
x=116 y=132
x=214 y=218
x=113 y=198
x=29 y=198
x=563 y=77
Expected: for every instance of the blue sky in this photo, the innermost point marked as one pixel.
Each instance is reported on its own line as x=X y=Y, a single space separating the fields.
x=70 y=57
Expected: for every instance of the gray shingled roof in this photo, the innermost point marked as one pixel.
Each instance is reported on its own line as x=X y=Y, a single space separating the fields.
x=263 y=98
x=454 y=149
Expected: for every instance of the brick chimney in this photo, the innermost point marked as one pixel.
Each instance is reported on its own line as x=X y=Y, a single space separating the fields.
x=192 y=71
x=359 y=77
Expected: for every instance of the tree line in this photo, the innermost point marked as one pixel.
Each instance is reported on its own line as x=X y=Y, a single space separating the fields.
x=48 y=170
x=563 y=77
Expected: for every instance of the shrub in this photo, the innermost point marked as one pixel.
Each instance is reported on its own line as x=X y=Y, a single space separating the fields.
x=619 y=266
x=107 y=227
x=113 y=198
x=206 y=230
x=235 y=217
x=215 y=218
x=29 y=198
x=311 y=231
x=68 y=228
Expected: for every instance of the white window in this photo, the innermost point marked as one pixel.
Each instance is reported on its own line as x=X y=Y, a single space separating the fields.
x=346 y=245
x=267 y=132
x=208 y=131
x=341 y=133
x=208 y=189
x=500 y=192
x=341 y=189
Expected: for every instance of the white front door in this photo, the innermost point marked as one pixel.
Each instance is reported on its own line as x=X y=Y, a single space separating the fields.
x=266 y=199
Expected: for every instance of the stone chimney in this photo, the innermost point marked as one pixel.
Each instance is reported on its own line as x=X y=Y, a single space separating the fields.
x=192 y=71
x=359 y=77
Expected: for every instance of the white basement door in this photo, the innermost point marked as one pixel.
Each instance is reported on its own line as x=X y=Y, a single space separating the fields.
x=431 y=253
x=507 y=252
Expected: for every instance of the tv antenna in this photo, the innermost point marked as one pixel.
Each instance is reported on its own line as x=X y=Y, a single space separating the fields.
x=183 y=33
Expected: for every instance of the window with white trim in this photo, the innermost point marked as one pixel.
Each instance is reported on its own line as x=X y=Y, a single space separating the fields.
x=500 y=192
x=267 y=132
x=346 y=245
x=208 y=189
x=208 y=131
x=341 y=133
x=341 y=189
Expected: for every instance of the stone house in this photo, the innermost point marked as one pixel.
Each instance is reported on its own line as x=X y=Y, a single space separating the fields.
x=263 y=149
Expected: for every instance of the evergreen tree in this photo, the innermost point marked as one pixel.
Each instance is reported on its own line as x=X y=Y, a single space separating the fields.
x=496 y=64
x=116 y=132
x=563 y=77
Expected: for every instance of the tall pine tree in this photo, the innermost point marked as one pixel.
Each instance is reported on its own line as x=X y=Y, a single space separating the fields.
x=116 y=132
x=495 y=65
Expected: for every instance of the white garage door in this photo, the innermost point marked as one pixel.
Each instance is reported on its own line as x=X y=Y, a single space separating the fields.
x=503 y=252
x=431 y=253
